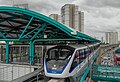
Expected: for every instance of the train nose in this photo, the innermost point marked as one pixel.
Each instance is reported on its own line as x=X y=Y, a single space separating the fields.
x=54 y=67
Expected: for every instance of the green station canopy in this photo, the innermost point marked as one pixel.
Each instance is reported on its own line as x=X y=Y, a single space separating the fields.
x=18 y=24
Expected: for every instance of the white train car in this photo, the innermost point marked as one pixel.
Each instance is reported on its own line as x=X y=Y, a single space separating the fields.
x=68 y=61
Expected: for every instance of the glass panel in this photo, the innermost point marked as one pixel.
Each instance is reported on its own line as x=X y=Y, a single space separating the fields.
x=57 y=57
x=76 y=60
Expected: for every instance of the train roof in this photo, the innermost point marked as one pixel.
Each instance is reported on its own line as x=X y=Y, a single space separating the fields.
x=77 y=46
x=80 y=45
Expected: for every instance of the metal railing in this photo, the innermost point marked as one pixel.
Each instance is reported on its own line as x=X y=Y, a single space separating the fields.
x=106 y=73
x=9 y=72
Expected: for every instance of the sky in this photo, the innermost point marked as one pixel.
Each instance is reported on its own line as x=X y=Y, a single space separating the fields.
x=100 y=15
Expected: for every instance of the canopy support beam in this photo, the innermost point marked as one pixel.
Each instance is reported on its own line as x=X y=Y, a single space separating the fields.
x=7 y=52
x=26 y=28
x=3 y=35
x=31 y=53
x=43 y=26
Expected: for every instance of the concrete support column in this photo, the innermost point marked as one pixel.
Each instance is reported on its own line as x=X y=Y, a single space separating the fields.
x=7 y=52
x=31 y=53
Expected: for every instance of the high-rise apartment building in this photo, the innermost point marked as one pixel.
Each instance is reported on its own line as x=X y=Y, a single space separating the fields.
x=55 y=17
x=81 y=22
x=111 y=37
x=102 y=39
x=25 y=5
x=70 y=16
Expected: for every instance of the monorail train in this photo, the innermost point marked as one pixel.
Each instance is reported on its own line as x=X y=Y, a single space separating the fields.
x=68 y=61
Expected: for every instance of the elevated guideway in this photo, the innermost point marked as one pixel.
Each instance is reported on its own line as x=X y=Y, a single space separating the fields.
x=83 y=78
x=87 y=77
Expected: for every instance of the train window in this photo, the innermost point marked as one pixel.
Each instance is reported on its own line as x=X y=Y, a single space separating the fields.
x=77 y=56
x=59 y=53
x=76 y=60
x=53 y=52
x=81 y=56
x=86 y=52
x=90 y=50
x=82 y=53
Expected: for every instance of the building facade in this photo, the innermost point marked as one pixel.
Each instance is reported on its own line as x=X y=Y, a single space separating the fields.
x=111 y=37
x=55 y=17
x=71 y=17
x=81 y=22
x=68 y=14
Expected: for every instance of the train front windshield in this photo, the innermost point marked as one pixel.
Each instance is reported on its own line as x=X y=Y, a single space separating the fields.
x=58 y=57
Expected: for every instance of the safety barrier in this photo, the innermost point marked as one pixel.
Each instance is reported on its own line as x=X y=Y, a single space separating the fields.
x=106 y=73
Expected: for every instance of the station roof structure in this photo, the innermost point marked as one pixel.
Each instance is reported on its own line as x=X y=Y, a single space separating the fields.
x=18 y=24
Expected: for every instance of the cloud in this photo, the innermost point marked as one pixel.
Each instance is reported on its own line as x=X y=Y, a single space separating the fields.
x=100 y=15
x=101 y=24
x=42 y=6
x=45 y=8
x=99 y=3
